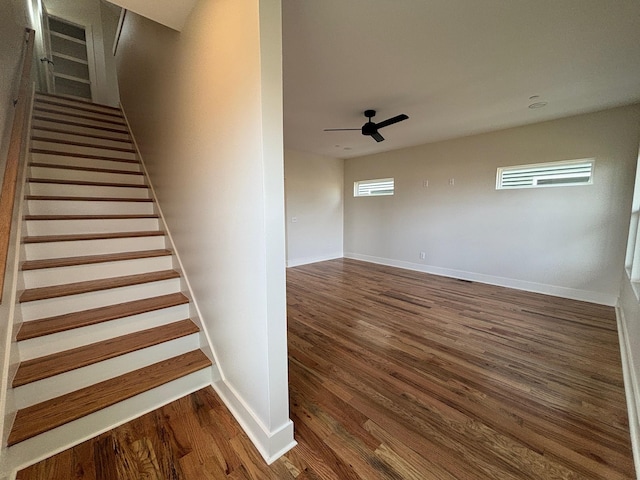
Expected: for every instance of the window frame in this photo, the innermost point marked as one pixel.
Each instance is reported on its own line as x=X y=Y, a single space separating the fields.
x=548 y=167
x=632 y=257
x=358 y=183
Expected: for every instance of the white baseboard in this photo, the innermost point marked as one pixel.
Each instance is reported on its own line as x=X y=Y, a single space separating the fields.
x=554 y=290
x=271 y=444
x=631 y=386
x=296 y=262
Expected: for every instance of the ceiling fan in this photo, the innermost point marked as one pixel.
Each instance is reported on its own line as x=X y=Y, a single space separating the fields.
x=370 y=128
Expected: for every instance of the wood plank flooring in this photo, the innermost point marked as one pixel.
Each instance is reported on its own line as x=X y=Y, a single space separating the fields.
x=400 y=375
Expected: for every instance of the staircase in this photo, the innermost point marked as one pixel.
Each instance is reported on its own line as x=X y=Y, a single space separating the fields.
x=106 y=332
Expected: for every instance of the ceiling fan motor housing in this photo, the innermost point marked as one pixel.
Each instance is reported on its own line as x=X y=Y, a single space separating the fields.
x=369 y=128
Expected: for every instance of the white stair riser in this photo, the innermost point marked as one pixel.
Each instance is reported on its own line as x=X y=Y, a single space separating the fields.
x=62 y=384
x=78 y=130
x=54 y=441
x=40 y=251
x=50 y=159
x=68 y=148
x=69 y=227
x=79 y=207
x=70 y=190
x=70 y=118
x=96 y=114
x=45 y=277
x=43 y=101
x=72 y=137
x=84 y=175
x=75 y=303
x=58 y=342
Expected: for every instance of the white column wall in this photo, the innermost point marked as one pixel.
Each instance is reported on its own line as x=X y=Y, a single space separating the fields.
x=205 y=108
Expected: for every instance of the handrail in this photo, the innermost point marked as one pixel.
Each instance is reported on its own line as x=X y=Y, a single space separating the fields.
x=8 y=192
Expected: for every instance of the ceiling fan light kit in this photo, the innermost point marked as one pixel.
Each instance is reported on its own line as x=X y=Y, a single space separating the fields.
x=370 y=128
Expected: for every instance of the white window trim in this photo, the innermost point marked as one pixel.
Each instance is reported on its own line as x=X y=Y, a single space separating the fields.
x=546 y=173
x=632 y=259
x=386 y=187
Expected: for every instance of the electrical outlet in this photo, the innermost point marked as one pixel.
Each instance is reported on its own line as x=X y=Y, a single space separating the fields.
x=425 y=183
x=423 y=255
x=452 y=181
x=294 y=219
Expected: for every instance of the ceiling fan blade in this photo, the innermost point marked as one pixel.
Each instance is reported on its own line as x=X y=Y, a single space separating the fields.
x=377 y=137
x=340 y=129
x=392 y=120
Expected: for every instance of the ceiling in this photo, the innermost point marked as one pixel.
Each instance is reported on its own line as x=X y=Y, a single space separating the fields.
x=170 y=13
x=455 y=67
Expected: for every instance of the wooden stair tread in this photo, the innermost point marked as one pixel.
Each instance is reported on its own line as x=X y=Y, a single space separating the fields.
x=91 y=259
x=46 y=151
x=40 y=109
x=61 y=362
x=80 y=124
x=115 y=112
x=91 y=236
x=90 y=217
x=86 y=199
x=39 y=96
x=36 y=138
x=39 y=418
x=58 y=181
x=80 y=134
x=85 y=169
x=84 y=318
x=76 y=288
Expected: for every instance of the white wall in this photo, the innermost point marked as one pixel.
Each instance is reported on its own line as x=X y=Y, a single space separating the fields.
x=205 y=108
x=110 y=16
x=567 y=241
x=89 y=14
x=314 y=198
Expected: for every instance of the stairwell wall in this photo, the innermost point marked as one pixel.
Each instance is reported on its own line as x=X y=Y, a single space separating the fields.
x=205 y=109
x=14 y=17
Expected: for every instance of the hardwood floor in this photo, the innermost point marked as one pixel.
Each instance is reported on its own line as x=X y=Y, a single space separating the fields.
x=400 y=375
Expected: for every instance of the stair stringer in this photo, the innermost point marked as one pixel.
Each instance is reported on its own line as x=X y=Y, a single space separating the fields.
x=271 y=443
x=9 y=311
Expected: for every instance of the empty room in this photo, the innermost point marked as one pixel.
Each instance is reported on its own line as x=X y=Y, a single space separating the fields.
x=301 y=239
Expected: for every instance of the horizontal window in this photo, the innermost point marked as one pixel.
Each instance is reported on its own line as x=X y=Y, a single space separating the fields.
x=552 y=174
x=369 y=188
